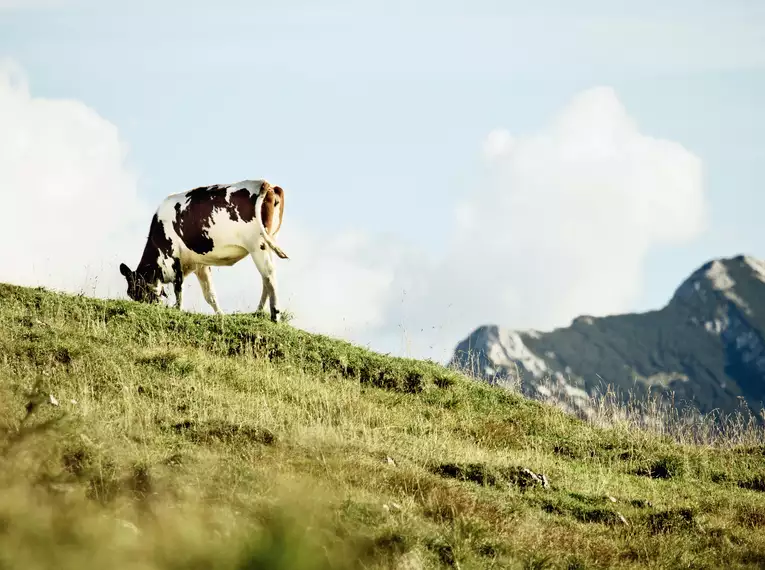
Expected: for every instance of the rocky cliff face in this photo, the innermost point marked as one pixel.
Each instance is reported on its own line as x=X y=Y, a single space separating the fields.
x=707 y=346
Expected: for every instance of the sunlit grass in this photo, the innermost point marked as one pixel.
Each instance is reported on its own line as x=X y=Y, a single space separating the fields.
x=188 y=441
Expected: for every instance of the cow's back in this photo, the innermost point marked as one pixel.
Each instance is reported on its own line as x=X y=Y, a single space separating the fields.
x=213 y=225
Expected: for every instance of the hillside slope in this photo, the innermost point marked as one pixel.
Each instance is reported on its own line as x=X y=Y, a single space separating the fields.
x=141 y=437
x=707 y=346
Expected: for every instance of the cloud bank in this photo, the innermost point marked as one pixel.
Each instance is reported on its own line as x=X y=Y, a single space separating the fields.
x=566 y=217
x=71 y=203
x=558 y=224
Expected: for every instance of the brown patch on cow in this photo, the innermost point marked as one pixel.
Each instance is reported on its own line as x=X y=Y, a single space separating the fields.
x=279 y=203
x=267 y=208
x=192 y=222
x=243 y=204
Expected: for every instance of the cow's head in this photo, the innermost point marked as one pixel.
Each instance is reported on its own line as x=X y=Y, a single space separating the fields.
x=139 y=289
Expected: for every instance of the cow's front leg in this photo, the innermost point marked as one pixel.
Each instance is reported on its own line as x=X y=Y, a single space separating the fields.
x=178 y=288
x=205 y=280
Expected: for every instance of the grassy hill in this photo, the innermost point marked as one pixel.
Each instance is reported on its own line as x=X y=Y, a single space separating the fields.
x=141 y=437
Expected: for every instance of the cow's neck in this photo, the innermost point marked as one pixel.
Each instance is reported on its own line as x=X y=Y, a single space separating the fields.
x=158 y=247
x=148 y=268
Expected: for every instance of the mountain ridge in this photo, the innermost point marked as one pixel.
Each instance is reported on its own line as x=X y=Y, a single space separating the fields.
x=706 y=347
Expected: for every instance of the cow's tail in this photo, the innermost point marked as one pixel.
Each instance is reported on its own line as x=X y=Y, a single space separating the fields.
x=259 y=215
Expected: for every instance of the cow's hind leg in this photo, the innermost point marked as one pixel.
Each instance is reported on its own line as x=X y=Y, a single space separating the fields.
x=204 y=274
x=263 y=296
x=178 y=284
x=265 y=264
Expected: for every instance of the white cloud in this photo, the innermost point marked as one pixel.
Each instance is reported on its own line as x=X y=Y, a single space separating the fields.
x=578 y=207
x=499 y=142
x=559 y=226
x=71 y=204
x=337 y=286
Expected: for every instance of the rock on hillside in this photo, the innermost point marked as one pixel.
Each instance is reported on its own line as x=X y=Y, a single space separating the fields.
x=707 y=346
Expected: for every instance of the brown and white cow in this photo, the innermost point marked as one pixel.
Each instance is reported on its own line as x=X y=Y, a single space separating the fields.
x=210 y=226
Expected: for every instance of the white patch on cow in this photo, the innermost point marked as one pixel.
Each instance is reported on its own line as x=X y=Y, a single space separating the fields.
x=252 y=186
x=165 y=265
x=232 y=241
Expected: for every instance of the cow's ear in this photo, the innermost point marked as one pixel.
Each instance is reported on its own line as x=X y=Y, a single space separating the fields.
x=125 y=270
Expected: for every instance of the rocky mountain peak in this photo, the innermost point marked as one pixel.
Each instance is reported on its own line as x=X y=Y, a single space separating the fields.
x=706 y=346
x=722 y=279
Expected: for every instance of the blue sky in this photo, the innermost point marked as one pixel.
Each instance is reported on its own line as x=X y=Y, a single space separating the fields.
x=375 y=117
